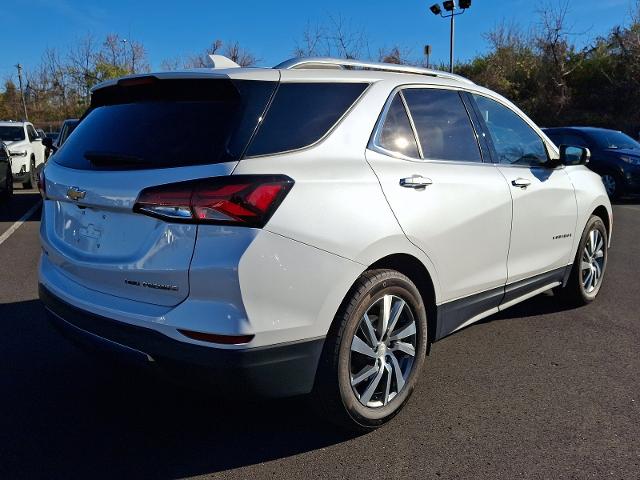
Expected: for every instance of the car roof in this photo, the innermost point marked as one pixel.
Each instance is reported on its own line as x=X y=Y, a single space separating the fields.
x=318 y=69
x=11 y=123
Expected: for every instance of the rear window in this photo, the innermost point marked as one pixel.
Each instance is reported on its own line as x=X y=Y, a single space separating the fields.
x=301 y=114
x=166 y=123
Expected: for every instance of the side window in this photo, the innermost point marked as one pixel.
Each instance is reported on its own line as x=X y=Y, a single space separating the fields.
x=443 y=125
x=32 y=133
x=301 y=114
x=515 y=142
x=396 y=134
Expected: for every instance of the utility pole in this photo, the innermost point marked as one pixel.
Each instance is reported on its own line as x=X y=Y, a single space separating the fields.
x=24 y=103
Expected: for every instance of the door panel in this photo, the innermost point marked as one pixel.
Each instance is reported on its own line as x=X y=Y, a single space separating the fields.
x=544 y=204
x=450 y=204
x=544 y=218
x=461 y=220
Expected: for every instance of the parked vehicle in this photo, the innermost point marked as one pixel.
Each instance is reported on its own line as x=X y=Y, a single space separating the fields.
x=614 y=155
x=26 y=149
x=68 y=126
x=53 y=135
x=305 y=230
x=54 y=144
x=6 y=177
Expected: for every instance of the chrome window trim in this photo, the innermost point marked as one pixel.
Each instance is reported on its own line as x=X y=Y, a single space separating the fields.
x=374 y=141
x=412 y=123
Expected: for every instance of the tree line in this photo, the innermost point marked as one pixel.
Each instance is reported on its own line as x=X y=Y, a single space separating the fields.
x=541 y=69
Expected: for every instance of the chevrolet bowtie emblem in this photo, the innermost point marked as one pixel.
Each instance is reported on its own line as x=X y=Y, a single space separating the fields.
x=74 y=193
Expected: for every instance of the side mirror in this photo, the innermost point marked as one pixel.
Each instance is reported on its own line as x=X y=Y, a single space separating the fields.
x=570 y=155
x=48 y=142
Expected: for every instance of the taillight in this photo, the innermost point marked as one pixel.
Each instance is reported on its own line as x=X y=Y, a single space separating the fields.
x=248 y=200
x=42 y=185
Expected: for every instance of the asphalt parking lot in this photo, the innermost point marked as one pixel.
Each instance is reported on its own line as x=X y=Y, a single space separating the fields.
x=534 y=392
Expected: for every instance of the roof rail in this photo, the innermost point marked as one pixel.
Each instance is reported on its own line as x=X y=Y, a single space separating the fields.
x=341 y=63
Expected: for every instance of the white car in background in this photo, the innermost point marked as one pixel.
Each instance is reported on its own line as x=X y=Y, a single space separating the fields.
x=27 y=151
x=311 y=228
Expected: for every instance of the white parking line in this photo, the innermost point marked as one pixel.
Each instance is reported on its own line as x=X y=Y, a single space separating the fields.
x=17 y=225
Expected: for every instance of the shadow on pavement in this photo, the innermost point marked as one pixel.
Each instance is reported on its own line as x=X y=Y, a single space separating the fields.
x=18 y=205
x=631 y=200
x=67 y=415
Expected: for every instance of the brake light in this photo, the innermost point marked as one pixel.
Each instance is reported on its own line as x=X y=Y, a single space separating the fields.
x=248 y=200
x=42 y=185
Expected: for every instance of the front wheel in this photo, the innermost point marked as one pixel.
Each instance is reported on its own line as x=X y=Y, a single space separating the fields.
x=33 y=181
x=589 y=265
x=374 y=352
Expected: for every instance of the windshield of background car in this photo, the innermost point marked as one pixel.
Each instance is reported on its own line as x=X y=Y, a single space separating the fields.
x=615 y=140
x=11 y=134
x=166 y=123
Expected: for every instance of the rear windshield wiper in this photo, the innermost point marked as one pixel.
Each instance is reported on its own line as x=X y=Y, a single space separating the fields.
x=107 y=159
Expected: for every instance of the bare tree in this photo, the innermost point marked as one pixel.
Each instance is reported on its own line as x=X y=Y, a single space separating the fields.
x=239 y=55
x=335 y=38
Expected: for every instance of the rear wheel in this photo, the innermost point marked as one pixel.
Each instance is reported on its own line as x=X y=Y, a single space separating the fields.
x=374 y=352
x=589 y=265
x=611 y=185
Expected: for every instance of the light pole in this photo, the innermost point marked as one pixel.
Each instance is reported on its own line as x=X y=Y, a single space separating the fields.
x=454 y=11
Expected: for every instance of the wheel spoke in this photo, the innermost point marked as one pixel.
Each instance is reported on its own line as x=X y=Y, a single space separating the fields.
x=383 y=323
x=371 y=388
x=369 y=330
x=588 y=279
x=599 y=243
x=585 y=265
x=387 y=390
x=396 y=311
x=398 y=372
x=359 y=346
x=599 y=254
x=404 y=348
x=591 y=243
x=405 y=332
x=363 y=374
x=597 y=271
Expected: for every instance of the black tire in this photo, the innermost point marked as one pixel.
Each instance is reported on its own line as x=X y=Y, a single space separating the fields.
x=333 y=394
x=33 y=181
x=7 y=192
x=613 y=185
x=575 y=293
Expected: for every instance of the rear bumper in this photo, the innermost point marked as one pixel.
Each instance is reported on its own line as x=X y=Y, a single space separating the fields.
x=275 y=371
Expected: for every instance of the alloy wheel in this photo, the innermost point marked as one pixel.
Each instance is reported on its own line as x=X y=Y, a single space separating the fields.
x=383 y=350
x=592 y=265
x=610 y=184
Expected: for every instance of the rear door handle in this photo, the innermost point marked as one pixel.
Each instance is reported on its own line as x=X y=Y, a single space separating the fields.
x=521 y=182
x=415 y=181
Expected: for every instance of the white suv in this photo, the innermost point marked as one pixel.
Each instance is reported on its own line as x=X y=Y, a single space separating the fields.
x=309 y=229
x=27 y=151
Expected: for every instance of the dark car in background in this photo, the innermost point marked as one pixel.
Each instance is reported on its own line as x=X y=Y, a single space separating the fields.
x=68 y=126
x=6 y=177
x=614 y=155
x=54 y=141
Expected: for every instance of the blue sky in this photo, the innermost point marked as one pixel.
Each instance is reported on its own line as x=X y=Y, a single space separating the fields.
x=270 y=29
